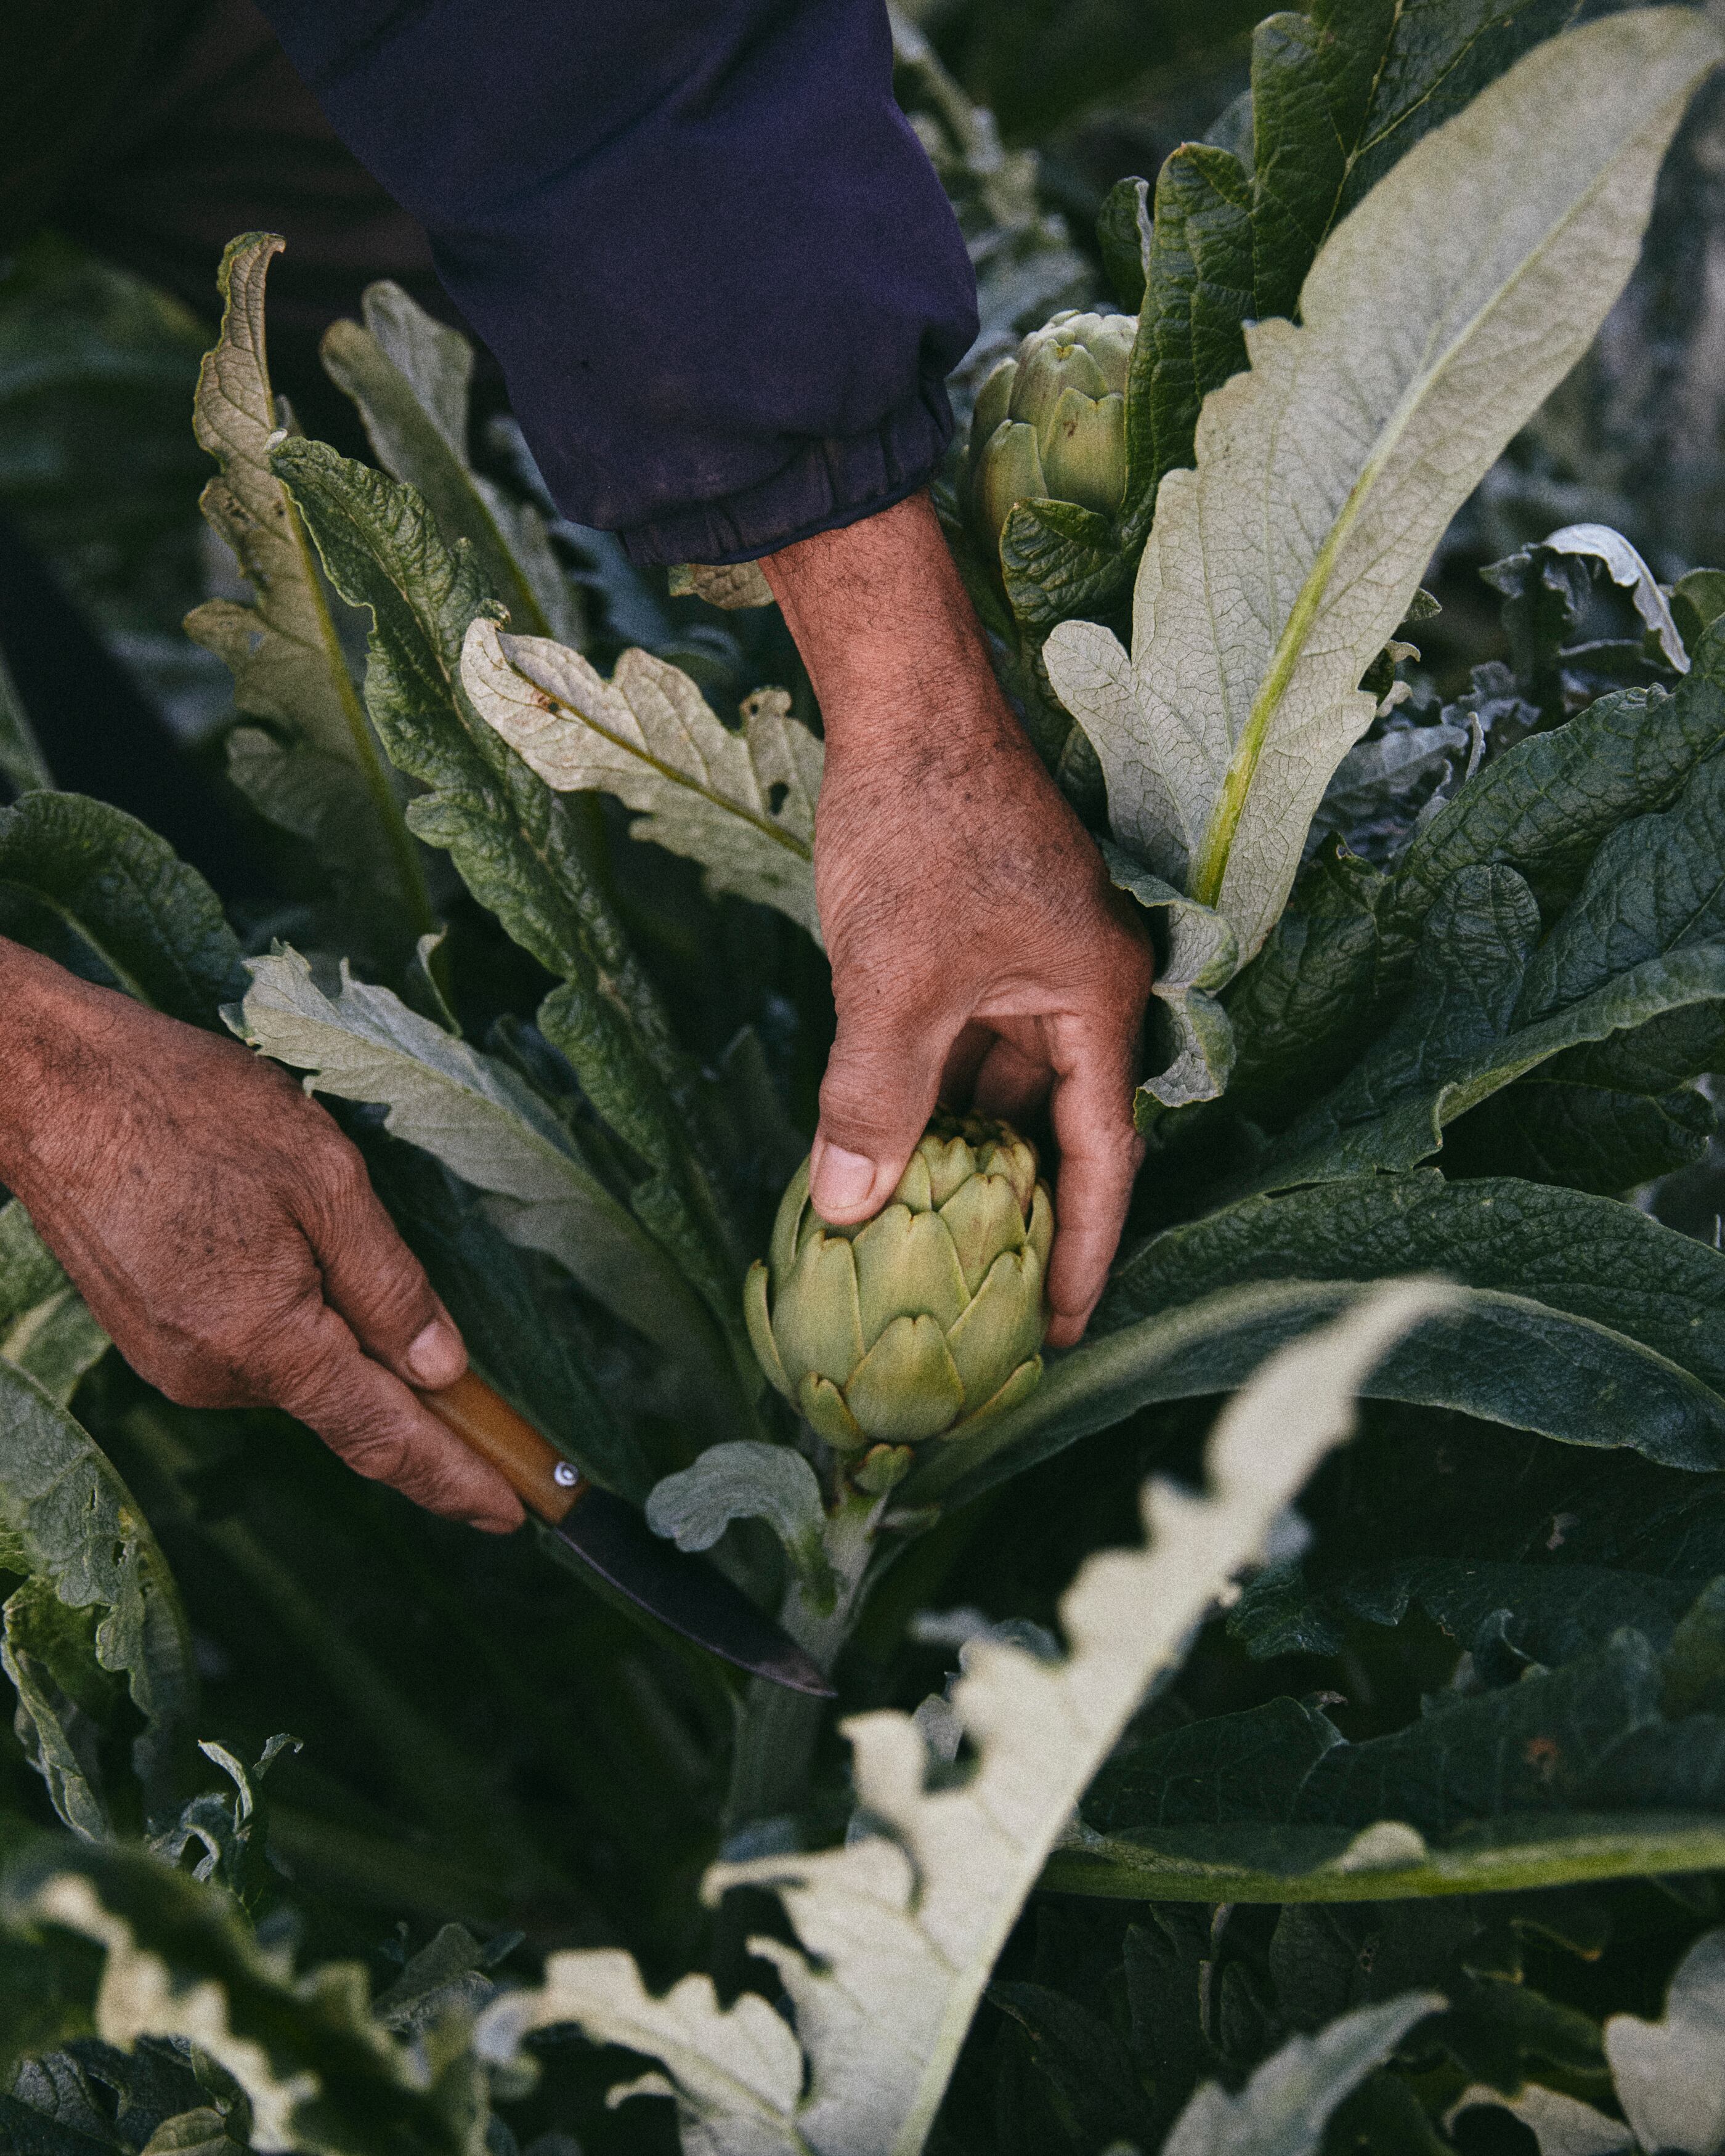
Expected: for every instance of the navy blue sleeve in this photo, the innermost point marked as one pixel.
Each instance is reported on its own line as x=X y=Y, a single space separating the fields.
x=712 y=258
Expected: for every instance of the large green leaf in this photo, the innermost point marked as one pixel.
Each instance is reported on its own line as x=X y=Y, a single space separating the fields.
x=1301 y=1011
x=1338 y=960
x=1570 y=1542
x=1578 y=1300
x=1546 y=1612
x=410 y=375
x=1576 y=1772
x=1493 y=996
x=1570 y=1306
x=1338 y=95
x=516 y=844
x=1326 y=475
x=475 y=1115
x=46 y=1329
x=282 y=648
x=97 y=889
x=98 y=1603
x=1606 y=1117
x=1547 y=808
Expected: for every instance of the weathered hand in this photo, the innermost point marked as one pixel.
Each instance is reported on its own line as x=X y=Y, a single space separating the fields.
x=223 y=1232
x=977 y=945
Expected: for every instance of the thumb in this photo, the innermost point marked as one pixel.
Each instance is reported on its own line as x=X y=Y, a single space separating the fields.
x=882 y=1080
x=374 y=1280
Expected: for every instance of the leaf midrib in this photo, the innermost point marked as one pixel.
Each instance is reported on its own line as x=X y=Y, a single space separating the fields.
x=723 y=801
x=1210 y=869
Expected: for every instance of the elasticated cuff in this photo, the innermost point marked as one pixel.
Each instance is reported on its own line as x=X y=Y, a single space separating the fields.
x=831 y=482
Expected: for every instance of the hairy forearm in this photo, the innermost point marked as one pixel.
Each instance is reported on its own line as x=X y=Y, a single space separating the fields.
x=44 y=1012
x=890 y=640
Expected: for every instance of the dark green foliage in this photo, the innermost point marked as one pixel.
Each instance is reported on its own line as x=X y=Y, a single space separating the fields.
x=97 y=462
x=1580 y=1300
x=363 y=2100
x=1153 y=2002
x=522 y=850
x=1494 y=1647
x=91 y=2097
x=1338 y=961
x=111 y=901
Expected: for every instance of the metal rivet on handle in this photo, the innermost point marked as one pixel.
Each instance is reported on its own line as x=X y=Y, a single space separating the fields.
x=564 y=1476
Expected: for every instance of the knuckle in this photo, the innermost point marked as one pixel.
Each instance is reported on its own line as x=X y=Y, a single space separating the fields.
x=337 y=1174
x=379 y=1453
x=193 y=1374
x=401 y=1304
x=869 y=1117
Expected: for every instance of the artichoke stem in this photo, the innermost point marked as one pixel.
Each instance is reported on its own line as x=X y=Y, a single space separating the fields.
x=776 y=1730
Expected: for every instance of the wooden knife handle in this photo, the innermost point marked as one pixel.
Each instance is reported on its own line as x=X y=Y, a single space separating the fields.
x=486 y=1423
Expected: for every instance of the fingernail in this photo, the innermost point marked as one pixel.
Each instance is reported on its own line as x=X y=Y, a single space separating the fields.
x=436 y=1358
x=841 y=1179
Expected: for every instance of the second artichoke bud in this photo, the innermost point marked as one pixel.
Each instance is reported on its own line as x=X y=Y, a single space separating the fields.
x=1050 y=424
x=924 y=1319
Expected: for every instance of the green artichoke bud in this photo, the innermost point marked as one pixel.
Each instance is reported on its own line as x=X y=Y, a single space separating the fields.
x=926 y=1318
x=1050 y=423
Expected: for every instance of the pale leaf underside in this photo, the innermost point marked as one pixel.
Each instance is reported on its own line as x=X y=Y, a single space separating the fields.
x=476 y=1117
x=1283 y=2108
x=741 y=803
x=1198 y=957
x=280 y=648
x=902 y=1928
x=1436 y=318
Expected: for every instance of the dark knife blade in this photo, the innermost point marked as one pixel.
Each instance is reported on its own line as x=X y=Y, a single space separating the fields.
x=607 y=1534
x=685 y=1592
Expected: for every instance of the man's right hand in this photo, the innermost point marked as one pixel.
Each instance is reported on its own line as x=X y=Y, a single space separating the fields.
x=223 y=1232
x=979 y=951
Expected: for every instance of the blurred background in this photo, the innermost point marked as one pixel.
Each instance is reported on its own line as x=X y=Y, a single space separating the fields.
x=142 y=134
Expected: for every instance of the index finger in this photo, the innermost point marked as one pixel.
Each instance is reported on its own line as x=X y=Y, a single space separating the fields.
x=1101 y=1153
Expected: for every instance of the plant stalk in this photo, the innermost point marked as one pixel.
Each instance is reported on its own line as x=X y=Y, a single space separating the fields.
x=776 y=1730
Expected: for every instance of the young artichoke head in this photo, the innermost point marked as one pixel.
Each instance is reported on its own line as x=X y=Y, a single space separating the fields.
x=1050 y=423
x=926 y=1317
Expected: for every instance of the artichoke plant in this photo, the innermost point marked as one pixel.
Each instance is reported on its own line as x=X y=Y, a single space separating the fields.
x=1050 y=423
x=926 y=1318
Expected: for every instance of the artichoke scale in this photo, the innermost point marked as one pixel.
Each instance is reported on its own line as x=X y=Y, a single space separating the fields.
x=822 y=1406
x=906 y=1266
x=982 y=1218
x=1003 y=1327
x=816 y=1321
x=907 y=1388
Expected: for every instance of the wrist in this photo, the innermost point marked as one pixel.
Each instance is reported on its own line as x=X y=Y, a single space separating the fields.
x=886 y=630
